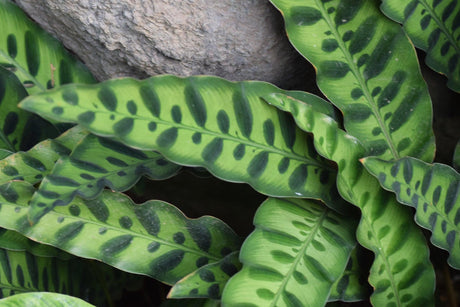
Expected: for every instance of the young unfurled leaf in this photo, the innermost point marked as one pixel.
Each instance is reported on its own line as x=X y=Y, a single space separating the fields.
x=33 y=165
x=432 y=26
x=368 y=68
x=298 y=250
x=401 y=272
x=38 y=60
x=93 y=164
x=167 y=246
x=433 y=190
x=201 y=121
x=19 y=130
x=43 y=299
x=208 y=281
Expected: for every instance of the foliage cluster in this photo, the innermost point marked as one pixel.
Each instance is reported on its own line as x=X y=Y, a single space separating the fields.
x=337 y=183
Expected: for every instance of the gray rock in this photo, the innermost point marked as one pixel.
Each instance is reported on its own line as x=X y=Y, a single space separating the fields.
x=234 y=39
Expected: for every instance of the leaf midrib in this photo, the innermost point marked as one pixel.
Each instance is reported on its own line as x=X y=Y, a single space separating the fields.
x=21 y=69
x=359 y=78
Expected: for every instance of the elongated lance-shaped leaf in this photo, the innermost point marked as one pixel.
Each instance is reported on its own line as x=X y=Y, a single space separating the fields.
x=43 y=299
x=433 y=190
x=14 y=241
x=401 y=273
x=352 y=286
x=297 y=251
x=208 y=281
x=201 y=121
x=94 y=163
x=36 y=163
x=39 y=61
x=368 y=68
x=432 y=25
x=153 y=239
x=456 y=158
x=19 y=130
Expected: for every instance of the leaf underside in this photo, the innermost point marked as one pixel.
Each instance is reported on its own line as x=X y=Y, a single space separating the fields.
x=432 y=26
x=298 y=250
x=368 y=68
x=167 y=245
x=433 y=190
x=201 y=121
x=401 y=272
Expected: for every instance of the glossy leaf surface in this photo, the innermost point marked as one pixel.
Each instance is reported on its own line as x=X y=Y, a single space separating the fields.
x=368 y=68
x=201 y=121
x=43 y=299
x=34 y=164
x=39 y=61
x=433 y=26
x=19 y=130
x=208 y=281
x=167 y=245
x=401 y=273
x=298 y=250
x=95 y=163
x=433 y=190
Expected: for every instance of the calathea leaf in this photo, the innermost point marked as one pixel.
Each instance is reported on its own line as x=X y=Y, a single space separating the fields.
x=432 y=26
x=352 y=286
x=153 y=239
x=433 y=190
x=368 y=68
x=14 y=241
x=208 y=281
x=298 y=250
x=401 y=273
x=201 y=121
x=43 y=299
x=456 y=159
x=94 y=163
x=36 y=163
x=39 y=61
x=19 y=130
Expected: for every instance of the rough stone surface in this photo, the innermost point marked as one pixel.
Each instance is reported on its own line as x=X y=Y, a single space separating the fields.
x=234 y=39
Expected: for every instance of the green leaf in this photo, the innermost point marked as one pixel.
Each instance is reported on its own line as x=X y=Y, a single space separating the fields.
x=94 y=163
x=39 y=61
x=368 y=68
x=298 y=250
x=165 y=244
x=352 y=286
x=33 y=165
x=208 y=281
x=456 y=159
x=401 y=273
x=14 y=241
x=19 y=130
x=432 y=26
x=433 y=190
x=43 y=299
x=201 y=121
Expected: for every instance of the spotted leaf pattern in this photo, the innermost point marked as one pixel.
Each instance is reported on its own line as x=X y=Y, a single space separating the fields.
x=401 y=273
x=167 y=245
x=368 y=68
x=433 y=190
x=14 y=241
x=36 y=163
x=202 y=121
x=95 y=163
x=297 y=251
x=352 y=286
x=208 y=281
x=433 y=26
x=19 y=130
x=43 y=299
x=38 y=60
